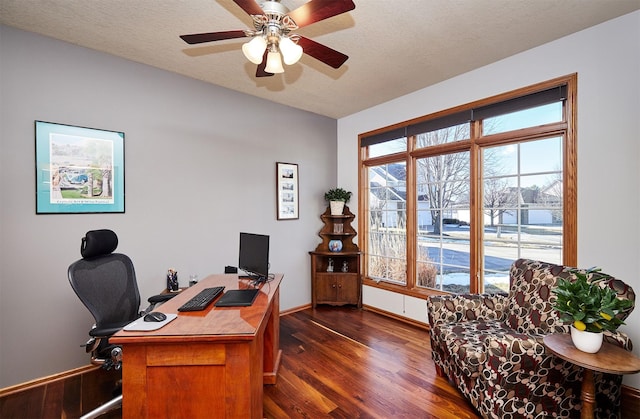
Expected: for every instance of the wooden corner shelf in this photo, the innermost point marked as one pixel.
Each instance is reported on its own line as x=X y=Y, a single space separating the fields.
x=341 y=284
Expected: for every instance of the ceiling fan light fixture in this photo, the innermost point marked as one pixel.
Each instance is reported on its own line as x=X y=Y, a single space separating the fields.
x=291 y=52
x=274 y=63
x=273 y=40
x=254 y=49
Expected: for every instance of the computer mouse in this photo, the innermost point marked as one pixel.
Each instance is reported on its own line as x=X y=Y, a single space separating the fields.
x=155 y=316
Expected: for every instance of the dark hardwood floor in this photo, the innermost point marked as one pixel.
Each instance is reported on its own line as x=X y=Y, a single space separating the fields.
x=336 y=363
x=350 y=363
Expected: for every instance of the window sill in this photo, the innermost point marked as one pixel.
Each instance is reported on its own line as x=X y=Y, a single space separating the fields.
x=421 y=293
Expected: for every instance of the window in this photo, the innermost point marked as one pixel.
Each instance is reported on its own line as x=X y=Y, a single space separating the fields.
x=389 y=147
x=442 y=193
x=388 y=222
x=522 y=190
x=451 y=200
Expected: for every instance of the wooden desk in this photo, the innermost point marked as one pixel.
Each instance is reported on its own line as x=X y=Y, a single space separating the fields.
x=609 y=359
x=204 y=364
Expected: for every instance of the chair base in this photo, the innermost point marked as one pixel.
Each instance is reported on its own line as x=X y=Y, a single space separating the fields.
x=101 y=410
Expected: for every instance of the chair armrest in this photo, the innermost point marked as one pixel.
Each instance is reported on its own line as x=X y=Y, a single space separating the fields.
x=527 y=375
x=154 y=300
x=465 y=307
x=160 y=298
x=514 y=358
x=107 y=330
x=516 y=343
x=521 y=375
x=618 y=338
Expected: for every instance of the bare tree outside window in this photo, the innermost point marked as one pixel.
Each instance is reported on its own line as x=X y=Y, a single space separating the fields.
x=387 y=223
x=515 y=208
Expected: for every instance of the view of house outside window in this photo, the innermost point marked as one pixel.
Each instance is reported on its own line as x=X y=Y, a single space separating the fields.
x=424 y=230
x=387 y=222
x=522 y=205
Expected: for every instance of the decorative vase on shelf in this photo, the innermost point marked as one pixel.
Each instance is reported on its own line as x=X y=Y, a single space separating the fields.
x=589 y=342
x=345 y=266
x=336 y=207
x=335 y=245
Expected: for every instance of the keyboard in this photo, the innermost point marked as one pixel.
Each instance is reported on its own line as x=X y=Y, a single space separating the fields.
x=202 y=299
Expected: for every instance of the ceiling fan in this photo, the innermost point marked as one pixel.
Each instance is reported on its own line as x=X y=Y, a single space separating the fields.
x=272 y=40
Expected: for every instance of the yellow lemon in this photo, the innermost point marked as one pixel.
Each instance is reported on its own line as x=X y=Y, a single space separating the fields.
x=605 y=316
x=579 y=325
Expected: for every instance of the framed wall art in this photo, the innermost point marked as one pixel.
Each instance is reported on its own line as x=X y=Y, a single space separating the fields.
x=287 y=191
x=78 y=170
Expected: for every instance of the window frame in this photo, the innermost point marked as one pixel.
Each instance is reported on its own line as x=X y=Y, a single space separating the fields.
x=565 y=128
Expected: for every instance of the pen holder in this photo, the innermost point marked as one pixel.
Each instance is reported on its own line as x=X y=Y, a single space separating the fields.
x=172 y=280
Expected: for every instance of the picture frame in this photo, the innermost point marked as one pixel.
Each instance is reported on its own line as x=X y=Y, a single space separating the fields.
x=79 y=170
x=287 y=191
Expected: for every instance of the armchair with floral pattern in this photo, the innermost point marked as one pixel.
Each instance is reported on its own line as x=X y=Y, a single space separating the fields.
x=490 y=347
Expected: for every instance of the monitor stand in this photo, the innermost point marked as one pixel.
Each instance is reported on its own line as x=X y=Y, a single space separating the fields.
x=258 y=279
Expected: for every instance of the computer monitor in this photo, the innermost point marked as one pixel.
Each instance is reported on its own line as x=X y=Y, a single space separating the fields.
x=254 y=255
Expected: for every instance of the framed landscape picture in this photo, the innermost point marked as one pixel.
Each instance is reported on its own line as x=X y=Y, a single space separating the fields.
x=78 y=169
x=287 y=191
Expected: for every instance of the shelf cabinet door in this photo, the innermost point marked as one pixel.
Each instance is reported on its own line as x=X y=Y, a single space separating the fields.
x=325 y=288
x=347 y=289
x=337 y=289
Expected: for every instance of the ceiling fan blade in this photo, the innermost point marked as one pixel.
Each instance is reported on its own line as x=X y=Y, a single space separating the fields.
x=199 y=38
x=260 y=72
x=320 y=52
x=249 y=6
x=317 y=10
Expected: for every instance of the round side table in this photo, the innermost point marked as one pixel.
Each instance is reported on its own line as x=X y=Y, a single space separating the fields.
x=609 y=359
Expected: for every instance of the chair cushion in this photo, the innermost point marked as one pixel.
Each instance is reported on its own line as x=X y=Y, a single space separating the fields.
x=98 y=243
x=465 y=342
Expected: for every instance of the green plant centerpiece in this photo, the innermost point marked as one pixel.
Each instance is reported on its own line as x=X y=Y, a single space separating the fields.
x=337 y=194
x=337 y=197
x=586 y=305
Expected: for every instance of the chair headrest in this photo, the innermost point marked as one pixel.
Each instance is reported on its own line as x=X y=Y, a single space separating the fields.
x=98 y=243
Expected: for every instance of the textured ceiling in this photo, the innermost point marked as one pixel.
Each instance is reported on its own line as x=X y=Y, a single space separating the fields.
x=394 y=46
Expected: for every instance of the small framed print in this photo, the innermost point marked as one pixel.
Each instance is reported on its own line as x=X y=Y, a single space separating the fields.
x=79 y=170
x=287 y=191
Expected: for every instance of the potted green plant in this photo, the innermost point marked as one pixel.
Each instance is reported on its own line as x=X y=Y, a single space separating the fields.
x=589 y=308
x=337 y=198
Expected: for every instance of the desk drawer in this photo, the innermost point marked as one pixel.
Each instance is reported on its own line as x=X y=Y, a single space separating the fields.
x=187 y=354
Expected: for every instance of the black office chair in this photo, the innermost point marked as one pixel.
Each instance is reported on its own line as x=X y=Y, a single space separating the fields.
x=106 y=284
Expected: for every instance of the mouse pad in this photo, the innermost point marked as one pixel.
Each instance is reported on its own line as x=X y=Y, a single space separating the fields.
x=140 y=324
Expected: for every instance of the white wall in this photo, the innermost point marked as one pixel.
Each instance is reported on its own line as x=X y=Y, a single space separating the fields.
x=607 y=60
x=200 y=168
